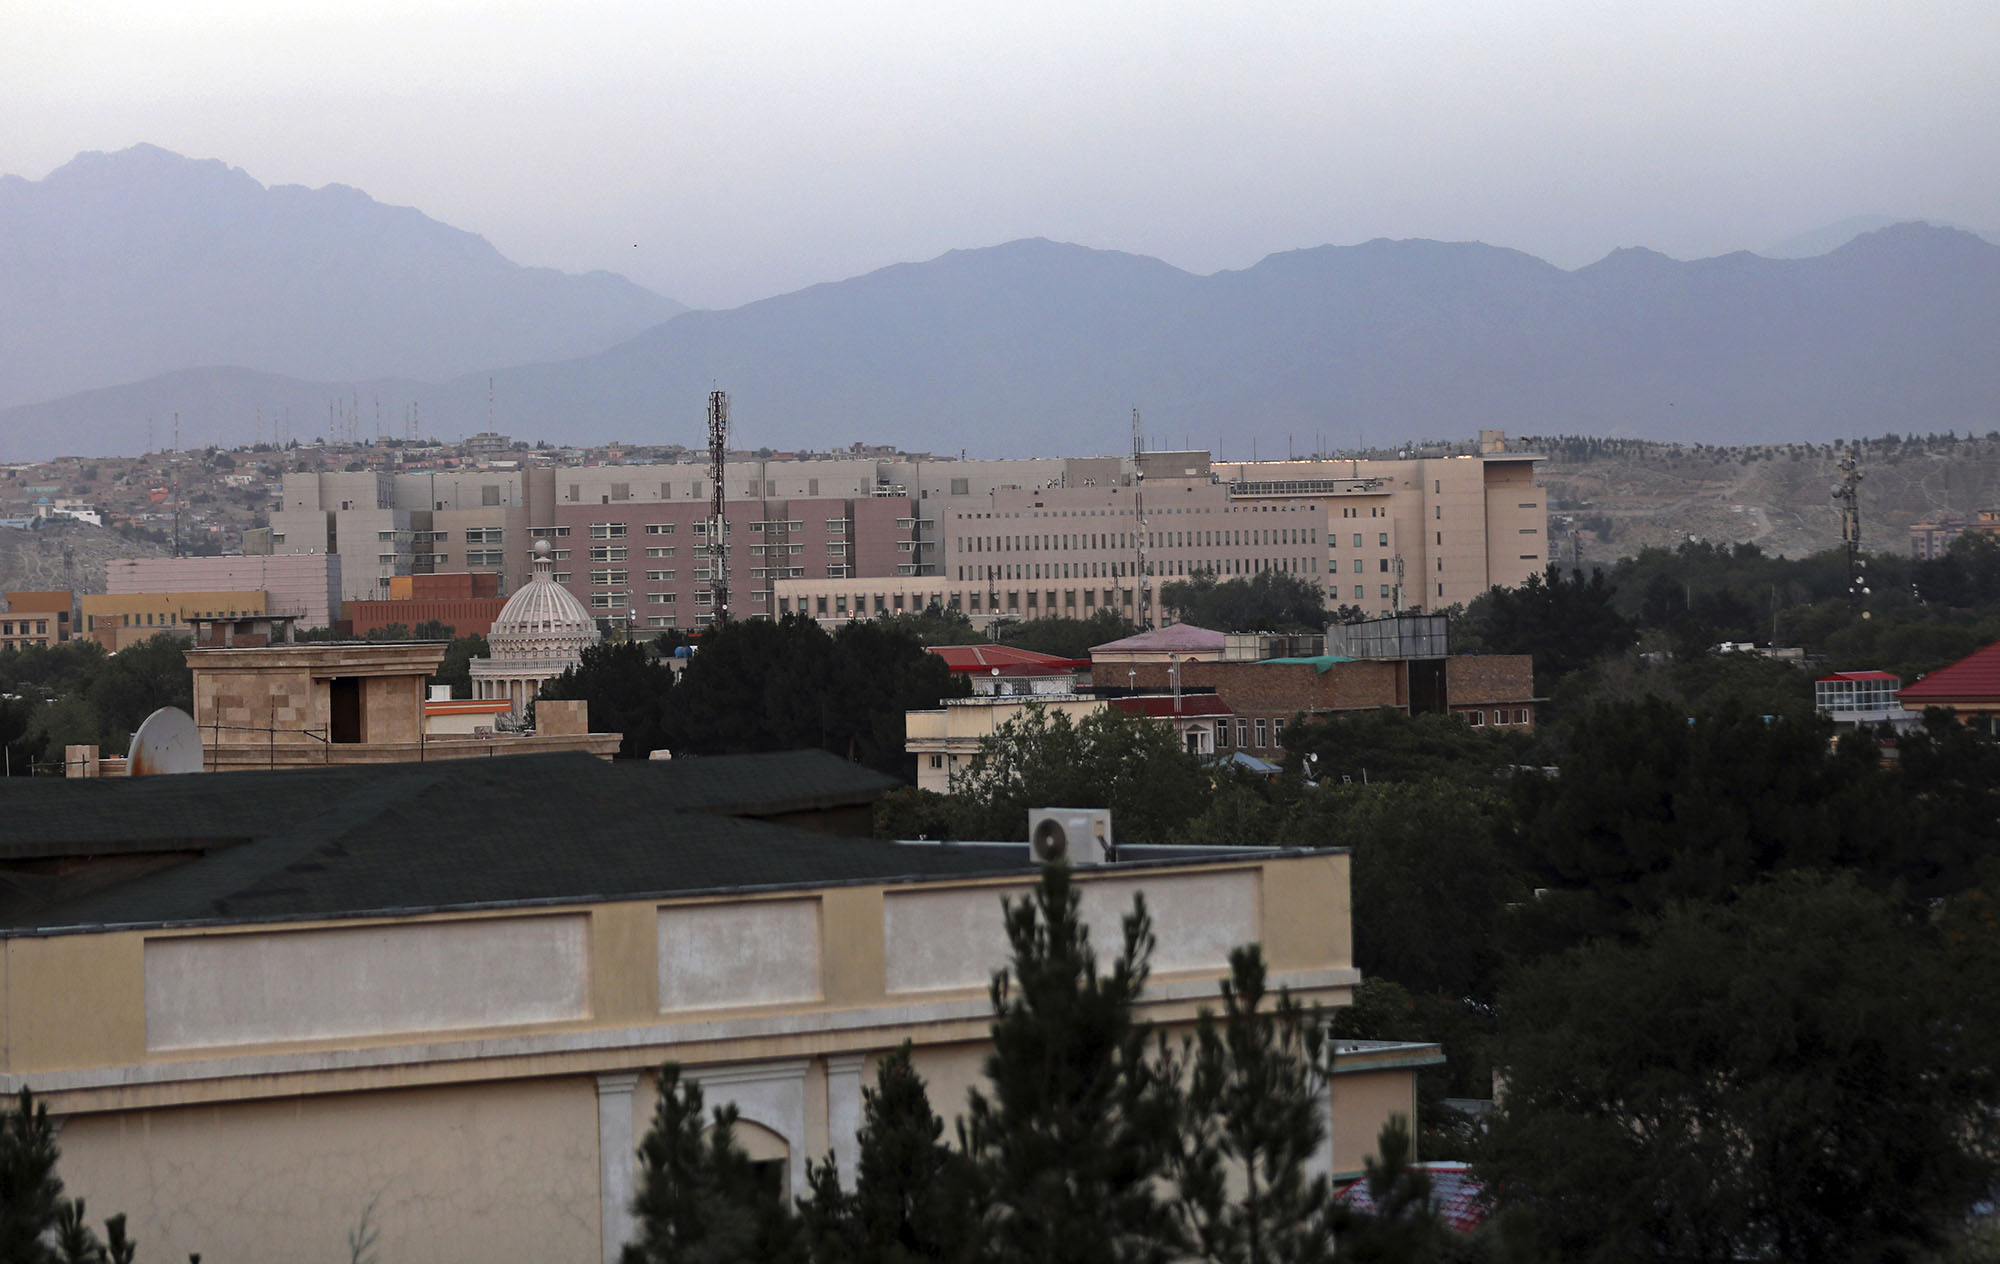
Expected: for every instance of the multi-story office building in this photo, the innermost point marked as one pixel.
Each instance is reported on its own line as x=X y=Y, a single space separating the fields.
x=1031 y=539
x=305 y=587
x=851 y=538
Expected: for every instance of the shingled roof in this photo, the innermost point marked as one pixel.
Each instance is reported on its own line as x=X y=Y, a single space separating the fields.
x=1972 y=679
x=369 y=839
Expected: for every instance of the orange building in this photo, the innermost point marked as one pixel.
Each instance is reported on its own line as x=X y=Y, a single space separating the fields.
x=36 y=618
x=467 y=602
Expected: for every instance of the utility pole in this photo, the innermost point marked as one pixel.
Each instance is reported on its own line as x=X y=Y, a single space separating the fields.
x=1142 y=615
x=718 y=522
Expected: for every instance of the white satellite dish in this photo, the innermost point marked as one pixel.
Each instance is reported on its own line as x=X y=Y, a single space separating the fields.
x=168 y=742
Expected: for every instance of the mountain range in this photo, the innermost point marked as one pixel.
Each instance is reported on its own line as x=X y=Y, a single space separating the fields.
x=118 y=267
x=1037 y=347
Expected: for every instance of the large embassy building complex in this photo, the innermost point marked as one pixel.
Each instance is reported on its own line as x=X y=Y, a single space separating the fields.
x=839 y=539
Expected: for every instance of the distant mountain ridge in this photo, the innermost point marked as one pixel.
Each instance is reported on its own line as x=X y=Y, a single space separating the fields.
x=117 y=267
x=1036 y=347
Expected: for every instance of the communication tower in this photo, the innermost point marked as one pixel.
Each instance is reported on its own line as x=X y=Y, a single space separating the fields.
x=718 y=522
x=1847 y=494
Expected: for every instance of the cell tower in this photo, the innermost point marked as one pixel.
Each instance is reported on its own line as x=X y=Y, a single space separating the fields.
x=718 y=522
x=1143 y=614
x=1847 y=493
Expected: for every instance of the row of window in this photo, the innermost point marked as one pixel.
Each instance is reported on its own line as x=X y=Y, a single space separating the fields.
x=1243 y=538
x=1477 y=719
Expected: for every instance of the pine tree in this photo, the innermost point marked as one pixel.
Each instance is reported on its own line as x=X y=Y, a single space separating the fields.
x=30 y=1191
x=701 y=1200
x=1403 y=1227
x=911 y=1195
x=1253 y=1116
x=1071 y=1148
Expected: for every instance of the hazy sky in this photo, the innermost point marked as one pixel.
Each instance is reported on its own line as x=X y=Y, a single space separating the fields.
x=724 y=152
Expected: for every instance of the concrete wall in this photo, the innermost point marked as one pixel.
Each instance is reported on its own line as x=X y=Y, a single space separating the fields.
x=482 y=1078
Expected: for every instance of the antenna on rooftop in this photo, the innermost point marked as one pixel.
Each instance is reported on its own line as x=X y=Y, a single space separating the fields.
x=718 y=523
x=177 y=483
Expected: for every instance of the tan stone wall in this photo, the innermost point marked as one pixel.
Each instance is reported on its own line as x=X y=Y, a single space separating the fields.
x=562 y=717
x=470 y=1172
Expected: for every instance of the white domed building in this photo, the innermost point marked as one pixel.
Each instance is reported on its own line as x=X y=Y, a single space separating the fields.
x=541 y=632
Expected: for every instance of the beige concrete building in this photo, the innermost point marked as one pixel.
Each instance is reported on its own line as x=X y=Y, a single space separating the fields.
x=382 y=991
x=317 y=704
x=116 y=620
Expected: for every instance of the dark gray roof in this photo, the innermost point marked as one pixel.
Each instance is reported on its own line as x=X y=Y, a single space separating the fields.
x=766 y=785
x=332 y=842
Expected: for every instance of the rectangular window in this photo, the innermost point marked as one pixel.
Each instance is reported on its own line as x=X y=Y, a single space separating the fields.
x=659 y=528
x=660 y=550
x=1477 y=719
x=1357 y=539
x=1359 y=592
x=1262 y=733
x=606 y=578
x=1385 y=590
x=489 y=494
x=1385 y=564
x=1382 y=539
x=660 y=599
x=660 y=620
x=659 y=577
x=1360 y=566
x=608 y=553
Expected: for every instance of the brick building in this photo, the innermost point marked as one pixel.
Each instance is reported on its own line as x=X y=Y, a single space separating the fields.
x=467 y=602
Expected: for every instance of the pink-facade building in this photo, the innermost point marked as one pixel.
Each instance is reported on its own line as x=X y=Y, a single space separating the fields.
x=306 y=585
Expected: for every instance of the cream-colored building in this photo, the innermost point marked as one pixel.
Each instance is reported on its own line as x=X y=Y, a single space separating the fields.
x=945 y=740
x=116 y=620
x=1035 y=539
x=436 y=998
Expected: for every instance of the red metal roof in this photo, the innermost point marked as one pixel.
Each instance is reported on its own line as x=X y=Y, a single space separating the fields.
x=982 y=659
x=1867 y=675
x=1974 y=677
x=1162 y=706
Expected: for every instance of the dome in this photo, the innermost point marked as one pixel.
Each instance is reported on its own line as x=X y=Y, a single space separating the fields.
x=543 y=620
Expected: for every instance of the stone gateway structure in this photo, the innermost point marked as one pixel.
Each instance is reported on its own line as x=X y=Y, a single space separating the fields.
x=542 y=632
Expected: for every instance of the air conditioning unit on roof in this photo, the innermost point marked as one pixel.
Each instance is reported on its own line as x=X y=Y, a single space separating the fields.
x=1073 y=836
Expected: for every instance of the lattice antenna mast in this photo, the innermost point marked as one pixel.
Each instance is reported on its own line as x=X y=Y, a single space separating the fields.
x=718 y=523
x=1143 y=614
x=1847 y=494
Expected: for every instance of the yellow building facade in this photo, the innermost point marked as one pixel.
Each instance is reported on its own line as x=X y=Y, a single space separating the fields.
x=251 y=1050
x=116 y=620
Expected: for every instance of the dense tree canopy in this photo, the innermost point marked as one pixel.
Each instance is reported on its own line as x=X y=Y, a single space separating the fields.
x=1269 y=601
x=1134 y=766
x=763 y=685
x=1564 y=620
x=1789 y=1077
x=626 y=686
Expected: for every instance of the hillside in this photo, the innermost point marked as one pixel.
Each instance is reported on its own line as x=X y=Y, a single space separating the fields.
x=119 y=267
x=1621 y=496
x=1040 y=348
